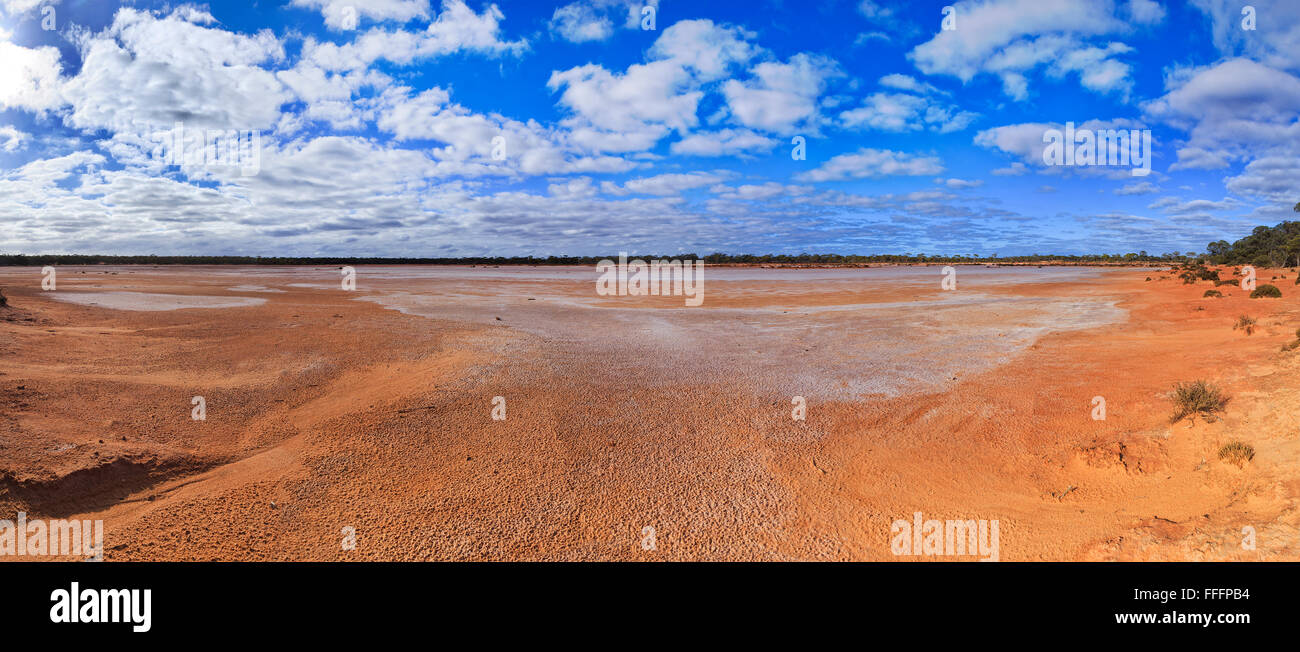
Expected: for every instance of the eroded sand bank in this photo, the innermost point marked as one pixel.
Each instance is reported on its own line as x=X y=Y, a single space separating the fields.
x=373 y=410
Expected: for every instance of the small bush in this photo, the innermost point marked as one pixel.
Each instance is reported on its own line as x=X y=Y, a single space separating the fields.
x=1266 y=290
x=1197 y=397
x=1245 y=323
x=1213 y=293
x=4 y=301
x=1237 y=453
x=1223 y=283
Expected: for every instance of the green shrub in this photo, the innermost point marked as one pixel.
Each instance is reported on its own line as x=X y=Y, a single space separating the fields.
x=1237 y=453
x=1197 y=397
x=1266 y=290
x=1223 y=283
x=1213 y=293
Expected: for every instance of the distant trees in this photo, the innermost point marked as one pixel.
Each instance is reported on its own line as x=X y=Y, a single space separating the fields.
x=1266 y=246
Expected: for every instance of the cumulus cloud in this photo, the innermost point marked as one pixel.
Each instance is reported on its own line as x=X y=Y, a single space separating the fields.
x=1275 y=39
x=11 y=139
x=1146 y=12
x=781 y=97
x=1026 y=142
x=1234 y=110
x=21 y=7
x=1011 y=38
x=868 y=162
x=145 y=72
x=29 y=77
x=346 y=14
x=724 y=142
x=904 y=112
x=632 y=110
x=1139 y=188
x=580 y=22
x=664 y=184
x=457 y=28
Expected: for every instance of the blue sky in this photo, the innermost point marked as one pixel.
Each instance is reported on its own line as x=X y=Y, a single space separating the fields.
x=450 y=127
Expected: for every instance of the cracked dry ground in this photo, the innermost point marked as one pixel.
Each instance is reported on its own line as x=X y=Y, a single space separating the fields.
x=325 y=412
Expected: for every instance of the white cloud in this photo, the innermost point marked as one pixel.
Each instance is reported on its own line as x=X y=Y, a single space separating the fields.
x=146 y=72
x=1009 y=38
x=1270 y=179
x=782 y=97
x=580 y=22
x=20 y=7
x=1275 y=40
x=904 y=112
x=664 y=184
x=1146 y=12
x=959 y=184
x=457 y=28
x=724 y=142
x=633 y=110
x=596 y=20
x=1139 y=188
x=907 y=83
x=707 y=49
x=868 y=162
x=761 y=192
x=1237 y=109
x=11 y=139
x=470 y=138
x=341 y=14
x=576 y=188
x=1025 y=141
x=29 y=77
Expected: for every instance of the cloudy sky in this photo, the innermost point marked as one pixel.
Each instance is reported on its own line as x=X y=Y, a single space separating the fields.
x=460 y=127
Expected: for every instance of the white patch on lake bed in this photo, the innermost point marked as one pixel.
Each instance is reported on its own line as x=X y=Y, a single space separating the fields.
x=149 y=301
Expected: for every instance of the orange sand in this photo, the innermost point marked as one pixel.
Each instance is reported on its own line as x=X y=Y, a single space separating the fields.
x=325 y=412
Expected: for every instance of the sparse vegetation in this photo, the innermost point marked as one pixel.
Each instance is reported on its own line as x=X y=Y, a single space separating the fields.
x=1213 y=293
x=1266 y=290
x=1237 y=453
x=4 y=301
x=1197 y=397
x=1223 y=283
x=1245 y=323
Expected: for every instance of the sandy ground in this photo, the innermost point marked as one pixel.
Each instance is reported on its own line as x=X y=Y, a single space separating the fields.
x=372 y=410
